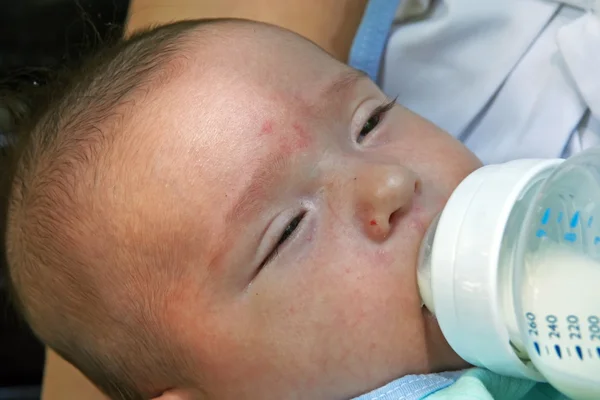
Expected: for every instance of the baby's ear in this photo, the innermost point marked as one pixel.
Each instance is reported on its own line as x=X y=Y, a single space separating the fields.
x=178 y=394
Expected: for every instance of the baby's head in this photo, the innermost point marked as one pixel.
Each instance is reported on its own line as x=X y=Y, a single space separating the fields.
x=220 y=209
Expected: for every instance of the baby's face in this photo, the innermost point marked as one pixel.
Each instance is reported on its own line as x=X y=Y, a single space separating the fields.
x=306 y=202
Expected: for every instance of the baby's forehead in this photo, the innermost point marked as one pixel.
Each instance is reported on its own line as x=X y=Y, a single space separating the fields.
x=231 y=89
x=234 y=54
x=233 y=106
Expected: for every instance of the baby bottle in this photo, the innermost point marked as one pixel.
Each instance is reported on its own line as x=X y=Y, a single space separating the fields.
x=511 y=270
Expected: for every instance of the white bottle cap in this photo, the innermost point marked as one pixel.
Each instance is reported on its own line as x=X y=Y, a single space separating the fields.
x=465 y=270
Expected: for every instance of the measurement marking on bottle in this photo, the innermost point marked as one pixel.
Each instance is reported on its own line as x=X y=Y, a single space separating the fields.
x=569 y=351
x=540 y=233
x=560 y=216
x=558 y=352
x=575 y=219
x=597 y=240
x=590 y=220
x=579 y=352
x=537 y=348
x=570 y=237
x=598 y=351
x=546 y=216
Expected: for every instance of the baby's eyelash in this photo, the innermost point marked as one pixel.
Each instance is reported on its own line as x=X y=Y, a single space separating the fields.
x=289 y=230
x=374 y=119
x=382 y=109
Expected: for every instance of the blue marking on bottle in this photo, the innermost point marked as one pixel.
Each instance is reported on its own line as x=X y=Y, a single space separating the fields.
x=590 y=220
x=537 y=348
x=598 y=351
x=579 y=352
x=542 y=233
x=546 y=216
x=560 y=215
x=557 y=349
x=575 y=219
x=596 y=240
x=570 y=237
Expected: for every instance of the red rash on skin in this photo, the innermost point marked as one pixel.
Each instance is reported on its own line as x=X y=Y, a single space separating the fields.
x=301 y=137
x=373 y=222
x=267 y=128
x=299 y=140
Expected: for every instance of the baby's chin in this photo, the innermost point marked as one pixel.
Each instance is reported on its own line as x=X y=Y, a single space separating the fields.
x=441 y=356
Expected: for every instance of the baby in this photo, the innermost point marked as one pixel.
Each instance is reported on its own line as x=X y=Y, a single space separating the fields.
x=220 y=210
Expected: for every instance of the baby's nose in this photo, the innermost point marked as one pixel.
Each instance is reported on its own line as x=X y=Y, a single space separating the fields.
x=383 y=193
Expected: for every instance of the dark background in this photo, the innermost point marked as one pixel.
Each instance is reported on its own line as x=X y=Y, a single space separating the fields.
x=37 y=37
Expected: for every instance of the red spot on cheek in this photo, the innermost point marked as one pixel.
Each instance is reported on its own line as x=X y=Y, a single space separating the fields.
x=373 y=222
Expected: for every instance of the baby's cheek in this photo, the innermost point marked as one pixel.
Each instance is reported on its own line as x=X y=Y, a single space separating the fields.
x=338 y=310
x=359 y=282
x=367 y=312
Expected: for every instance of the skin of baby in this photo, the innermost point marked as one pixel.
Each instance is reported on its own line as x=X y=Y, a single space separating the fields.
x=310 y=198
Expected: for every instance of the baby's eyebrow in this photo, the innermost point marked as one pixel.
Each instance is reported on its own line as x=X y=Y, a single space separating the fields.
x=345 y=81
